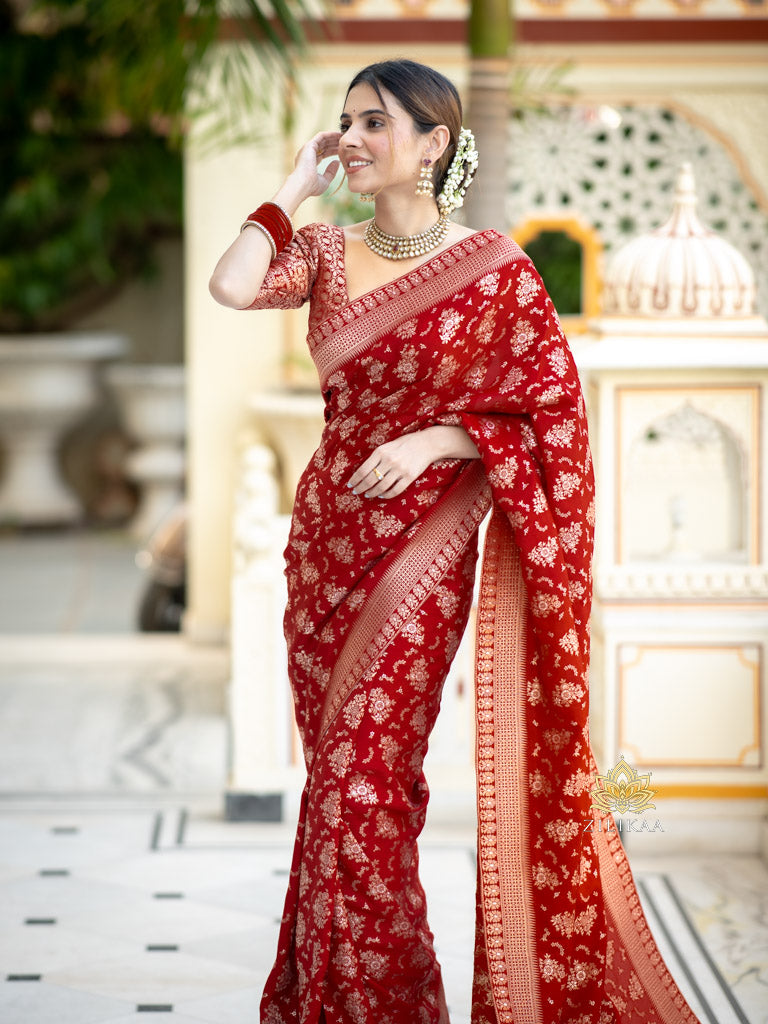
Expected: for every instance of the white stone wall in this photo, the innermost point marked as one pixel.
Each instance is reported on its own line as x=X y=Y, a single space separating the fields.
x=233 y=355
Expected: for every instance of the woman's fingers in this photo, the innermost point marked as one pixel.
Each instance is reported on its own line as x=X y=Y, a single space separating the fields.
x=365 y=470
x=393 y=490
x=330 y=172
x=323 y=145
x=375 y=479
x=312 y=153
x=319 y=148
x=391 y=467
x=368 y=482
x=371 y=480
x=387 y=487
x=328 y=141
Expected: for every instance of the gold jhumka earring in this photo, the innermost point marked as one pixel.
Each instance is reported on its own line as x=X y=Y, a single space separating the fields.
x=425 y=185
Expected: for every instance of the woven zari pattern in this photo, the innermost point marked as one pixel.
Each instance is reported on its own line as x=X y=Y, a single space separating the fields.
x=378 y=596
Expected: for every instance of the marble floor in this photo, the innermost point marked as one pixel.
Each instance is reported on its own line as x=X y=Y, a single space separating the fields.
x=118 y=911
x=125 y=896
x=68 y=581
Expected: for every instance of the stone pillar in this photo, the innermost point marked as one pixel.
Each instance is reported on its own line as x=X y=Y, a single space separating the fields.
x=262 y=764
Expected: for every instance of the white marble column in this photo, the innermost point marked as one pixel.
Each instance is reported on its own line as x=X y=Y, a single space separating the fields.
x=262 y=758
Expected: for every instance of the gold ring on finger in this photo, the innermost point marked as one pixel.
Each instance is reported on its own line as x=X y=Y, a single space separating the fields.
x=378 y=475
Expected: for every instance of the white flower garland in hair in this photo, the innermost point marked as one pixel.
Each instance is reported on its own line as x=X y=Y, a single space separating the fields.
x=459 y=176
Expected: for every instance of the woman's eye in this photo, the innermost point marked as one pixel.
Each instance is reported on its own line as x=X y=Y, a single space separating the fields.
x=375 y=123
x=343 y=128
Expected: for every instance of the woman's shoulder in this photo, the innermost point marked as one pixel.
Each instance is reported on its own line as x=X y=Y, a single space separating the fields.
x=322 y=245
x=506 y=248
x=318 y=233
x=484 y=236
x=459 y=232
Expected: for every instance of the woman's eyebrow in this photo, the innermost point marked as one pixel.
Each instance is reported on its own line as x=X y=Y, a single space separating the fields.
x=364 y=113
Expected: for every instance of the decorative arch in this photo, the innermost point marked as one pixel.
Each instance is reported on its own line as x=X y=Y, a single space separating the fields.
x=615 y=168
x=685 y=496
x=591 y=248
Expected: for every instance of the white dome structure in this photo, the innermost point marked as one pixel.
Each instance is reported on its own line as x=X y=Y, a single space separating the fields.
x=680 y=270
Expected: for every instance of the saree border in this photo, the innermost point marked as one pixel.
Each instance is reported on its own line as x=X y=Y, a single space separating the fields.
x=623 y=909
x=353 y=329
x=408 y=580
x=502 y=805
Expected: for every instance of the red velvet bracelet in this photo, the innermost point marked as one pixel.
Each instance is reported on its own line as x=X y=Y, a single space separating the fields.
x=275 y=222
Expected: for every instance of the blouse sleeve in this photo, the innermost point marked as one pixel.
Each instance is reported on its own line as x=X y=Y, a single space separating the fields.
x=291 y=275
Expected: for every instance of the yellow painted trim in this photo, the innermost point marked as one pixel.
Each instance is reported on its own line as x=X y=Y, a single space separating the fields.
x=682 y=791
x=591 y=256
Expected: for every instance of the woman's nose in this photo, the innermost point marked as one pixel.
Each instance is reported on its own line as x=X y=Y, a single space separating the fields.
x=350 y=137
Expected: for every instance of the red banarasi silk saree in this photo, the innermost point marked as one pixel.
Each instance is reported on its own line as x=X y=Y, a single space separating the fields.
x=379 y=593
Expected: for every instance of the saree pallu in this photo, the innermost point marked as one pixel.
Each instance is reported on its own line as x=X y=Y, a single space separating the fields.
x=379 y=595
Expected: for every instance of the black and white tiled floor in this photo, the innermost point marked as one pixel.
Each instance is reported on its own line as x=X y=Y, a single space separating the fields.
x=120 y=911
x=136 y=908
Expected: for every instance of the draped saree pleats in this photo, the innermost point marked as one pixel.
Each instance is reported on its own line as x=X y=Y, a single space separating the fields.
x=379 y=593
x=355 y=916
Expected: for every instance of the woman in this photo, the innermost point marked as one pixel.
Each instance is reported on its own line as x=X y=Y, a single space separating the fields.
x=449 y=391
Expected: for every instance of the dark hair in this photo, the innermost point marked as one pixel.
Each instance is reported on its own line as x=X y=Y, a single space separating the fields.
x=426 y=95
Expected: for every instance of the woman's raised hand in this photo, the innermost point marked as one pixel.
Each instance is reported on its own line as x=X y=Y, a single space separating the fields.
x=311 y=155
x=240 y=272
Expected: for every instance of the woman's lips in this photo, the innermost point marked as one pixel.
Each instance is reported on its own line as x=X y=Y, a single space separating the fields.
x=357 y=165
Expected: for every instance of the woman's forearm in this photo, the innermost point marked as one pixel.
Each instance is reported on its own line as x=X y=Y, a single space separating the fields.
x=451 y=442
x=240 y=272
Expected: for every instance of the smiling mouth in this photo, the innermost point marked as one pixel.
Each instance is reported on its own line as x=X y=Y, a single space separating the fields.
x=356 y=165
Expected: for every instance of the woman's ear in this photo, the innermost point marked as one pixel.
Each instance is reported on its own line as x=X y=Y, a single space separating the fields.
x=439 y=138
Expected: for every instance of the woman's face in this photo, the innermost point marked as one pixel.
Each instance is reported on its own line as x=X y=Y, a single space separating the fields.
x=379 y=146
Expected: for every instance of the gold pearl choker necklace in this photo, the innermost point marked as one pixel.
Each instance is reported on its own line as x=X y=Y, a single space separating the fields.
x=405 y=247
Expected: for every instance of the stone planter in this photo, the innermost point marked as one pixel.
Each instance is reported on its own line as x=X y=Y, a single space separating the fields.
x=47 y=382
x=291 y=423
x=152 y=409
